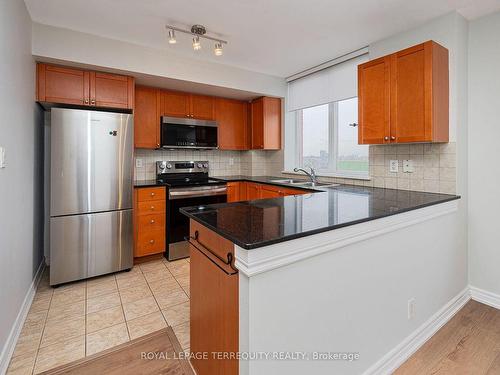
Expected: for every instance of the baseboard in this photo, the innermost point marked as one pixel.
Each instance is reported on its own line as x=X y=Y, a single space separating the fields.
x=397 y=356
x=483 y=296
x=10 y=344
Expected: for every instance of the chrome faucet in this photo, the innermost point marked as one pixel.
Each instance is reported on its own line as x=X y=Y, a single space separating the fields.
x=312 y=174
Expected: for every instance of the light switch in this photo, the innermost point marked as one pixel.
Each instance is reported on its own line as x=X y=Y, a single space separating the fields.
x=393 y=166
x=408 y=166
x=138 y=163
x=2 y=157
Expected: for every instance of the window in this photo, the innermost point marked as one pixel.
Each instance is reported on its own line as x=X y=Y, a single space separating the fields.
x=327 y=139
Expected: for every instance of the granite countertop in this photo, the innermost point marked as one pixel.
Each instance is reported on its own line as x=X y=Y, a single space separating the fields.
x=147 y=183
x=253 y=224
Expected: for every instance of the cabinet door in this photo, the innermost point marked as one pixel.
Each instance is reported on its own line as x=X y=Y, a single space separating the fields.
x=111 y=90
x=175 y=104
x=374 y=101
x=147 y=118
x=243 y=191
x=253 y=191
x=232 y=120
x=203 y=107
x=56 y=84
x=270 y=192
x=233 y=191
x=257 y=116
x=272 y=123
x=410 y=76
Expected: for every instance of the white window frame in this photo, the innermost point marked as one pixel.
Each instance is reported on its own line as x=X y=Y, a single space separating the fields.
x=332 y=170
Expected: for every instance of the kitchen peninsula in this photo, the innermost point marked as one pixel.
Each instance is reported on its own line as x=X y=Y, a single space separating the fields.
x=303 y=265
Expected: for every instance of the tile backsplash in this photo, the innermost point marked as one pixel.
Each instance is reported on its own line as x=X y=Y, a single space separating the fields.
x=434 y=165
x=222 y=163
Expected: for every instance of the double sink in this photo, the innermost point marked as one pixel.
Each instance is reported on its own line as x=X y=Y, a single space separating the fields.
x=302 y=183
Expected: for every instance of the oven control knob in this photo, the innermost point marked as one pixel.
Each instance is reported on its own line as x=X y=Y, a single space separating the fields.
x=199 y=165
x=169 y=166
x=205 y=165
x=162 y=165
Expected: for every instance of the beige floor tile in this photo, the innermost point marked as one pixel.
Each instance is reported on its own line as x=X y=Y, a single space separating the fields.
x=166 y=299
x=68 y=296
x=152 y=266
x=133 y=280
x=99 y=289
x=182 y=333
x=104 y=319
x=163 y=274
x=146 y=324
x=180 y=270
x=143 y=306
x=22 y=364
x=107 y=338
x=176 y=264
x=35 y=318
x=183 y=280
x=177 y=314
x=103 y=302
x=100 y=279
x=159 y=286
x=68 y=311
x=41 y=304
x=29 y=338
x=55 y=355
x=187 y=290
x=44 y=293
x=123 y=275
x=134 y=292
x=59 y=331
x=70 y=287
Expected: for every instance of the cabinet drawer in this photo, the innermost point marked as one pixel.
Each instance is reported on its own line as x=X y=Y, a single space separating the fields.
x=151 y=207
x=151 y=194
x=151 y=222
x=150 y=242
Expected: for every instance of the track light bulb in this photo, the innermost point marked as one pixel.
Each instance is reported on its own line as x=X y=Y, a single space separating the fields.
x=171 y=37
x=218 y=49
x=196 y=43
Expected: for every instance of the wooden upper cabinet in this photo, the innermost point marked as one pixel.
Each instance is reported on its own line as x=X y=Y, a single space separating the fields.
x=63 y=85
x=57 y=84
x=416 y=81
x=111 y=90
x=147 y=117
x=266 y=123
x=202 y=107
x=232 y=120
x=374 y=101
x=175 y=104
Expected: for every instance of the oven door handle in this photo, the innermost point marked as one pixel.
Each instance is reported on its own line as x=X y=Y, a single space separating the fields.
x=179 y=194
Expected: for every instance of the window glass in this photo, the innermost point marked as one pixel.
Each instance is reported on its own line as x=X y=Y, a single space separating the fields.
x=315 y=131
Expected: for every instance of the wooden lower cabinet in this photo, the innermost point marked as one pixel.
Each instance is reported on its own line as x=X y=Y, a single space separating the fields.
x=233 y=191
x=214 y=305
x=247 y=191
x=149 y=221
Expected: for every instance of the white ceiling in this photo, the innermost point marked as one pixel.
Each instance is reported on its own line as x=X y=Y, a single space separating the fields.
x=277 y=37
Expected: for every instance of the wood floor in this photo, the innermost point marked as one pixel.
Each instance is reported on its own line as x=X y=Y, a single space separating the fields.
x=468 y=344
x=128 y=358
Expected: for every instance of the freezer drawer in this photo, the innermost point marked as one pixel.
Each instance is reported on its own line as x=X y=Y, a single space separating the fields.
x=83 y=246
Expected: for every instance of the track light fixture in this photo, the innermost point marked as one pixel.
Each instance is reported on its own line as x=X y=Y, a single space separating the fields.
x=197 y=31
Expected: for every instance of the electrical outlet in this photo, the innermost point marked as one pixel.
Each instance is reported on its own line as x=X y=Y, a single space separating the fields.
x=411 y=308
x=393 y=166
x=2 y=157
x=138 y=163
x=408 y=166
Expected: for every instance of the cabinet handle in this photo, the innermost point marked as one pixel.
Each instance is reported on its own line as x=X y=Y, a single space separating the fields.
x=152 y=207
x=86 y=101
x=152 y=221
x=152 y=194
x=92 y=102
x=151 y=241
x=386 y=138
x=393 y=138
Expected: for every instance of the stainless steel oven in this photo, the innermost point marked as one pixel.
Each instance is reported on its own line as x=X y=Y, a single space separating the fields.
x=188 y=185
x=178 y=132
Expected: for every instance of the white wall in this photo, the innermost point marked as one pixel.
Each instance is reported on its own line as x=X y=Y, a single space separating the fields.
x=352 y=298
x=21 y=188
x=484 y=153
x=63 y=44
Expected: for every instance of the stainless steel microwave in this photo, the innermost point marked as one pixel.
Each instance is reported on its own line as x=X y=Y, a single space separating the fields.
x=176 y=132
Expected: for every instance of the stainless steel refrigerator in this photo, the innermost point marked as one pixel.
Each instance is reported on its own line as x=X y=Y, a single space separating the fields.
x=91 y=187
